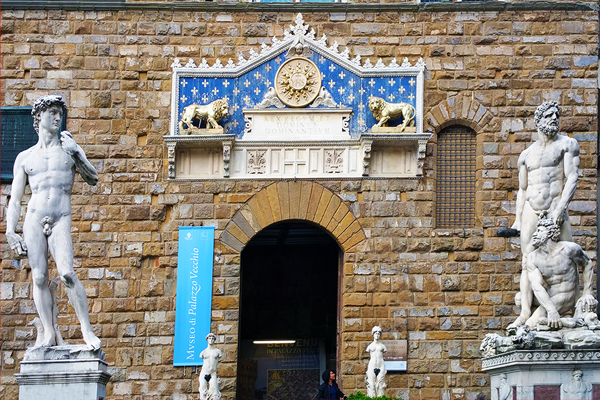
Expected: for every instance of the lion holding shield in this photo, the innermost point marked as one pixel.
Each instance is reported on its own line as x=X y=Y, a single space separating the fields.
x=212 y=112
x=384 y=111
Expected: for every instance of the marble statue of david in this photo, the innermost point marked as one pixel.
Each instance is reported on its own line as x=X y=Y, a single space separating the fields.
x=50 y=168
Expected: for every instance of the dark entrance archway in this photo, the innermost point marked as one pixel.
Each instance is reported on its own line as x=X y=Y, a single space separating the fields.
x=289 y=291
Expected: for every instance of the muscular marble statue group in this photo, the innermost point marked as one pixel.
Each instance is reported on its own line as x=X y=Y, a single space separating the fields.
x=550 y=295
x=548 y=172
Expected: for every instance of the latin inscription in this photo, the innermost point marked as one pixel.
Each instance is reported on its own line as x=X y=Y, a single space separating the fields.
x=296 y=126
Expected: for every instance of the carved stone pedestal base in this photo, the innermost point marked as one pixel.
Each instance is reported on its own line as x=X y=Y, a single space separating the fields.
x=393 y=129
x=544 y=375
x=203 y=131
x=63 y=373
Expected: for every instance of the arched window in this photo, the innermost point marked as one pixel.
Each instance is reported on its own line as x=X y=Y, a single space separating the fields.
x=456 y=178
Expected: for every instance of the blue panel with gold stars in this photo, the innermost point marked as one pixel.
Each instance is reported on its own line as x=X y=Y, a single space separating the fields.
x=347 y=89
x=351 y=83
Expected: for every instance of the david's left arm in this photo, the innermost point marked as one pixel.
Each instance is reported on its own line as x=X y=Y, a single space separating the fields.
x=85 y=168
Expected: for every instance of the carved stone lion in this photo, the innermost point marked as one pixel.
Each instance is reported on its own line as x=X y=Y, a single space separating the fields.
x=212 y=112
x=384 y=111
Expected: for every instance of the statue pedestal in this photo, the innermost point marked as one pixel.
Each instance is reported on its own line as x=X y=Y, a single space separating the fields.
x=63 y=373
x=544 y=374
x=393 y=129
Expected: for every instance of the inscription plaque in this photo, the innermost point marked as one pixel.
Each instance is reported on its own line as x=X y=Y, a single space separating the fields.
x=396 y=354
x=293 y=124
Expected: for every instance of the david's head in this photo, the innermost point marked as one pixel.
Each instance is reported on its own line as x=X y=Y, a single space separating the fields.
x=547 y=118
x=45 y=103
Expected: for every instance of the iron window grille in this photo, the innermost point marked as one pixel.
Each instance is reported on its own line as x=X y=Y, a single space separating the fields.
x=455 y=190
x=18 y=134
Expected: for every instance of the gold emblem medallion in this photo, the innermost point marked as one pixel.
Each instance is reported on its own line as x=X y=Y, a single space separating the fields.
x=298 y=82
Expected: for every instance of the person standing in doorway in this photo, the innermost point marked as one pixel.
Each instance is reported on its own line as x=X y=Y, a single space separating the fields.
x=329 y=390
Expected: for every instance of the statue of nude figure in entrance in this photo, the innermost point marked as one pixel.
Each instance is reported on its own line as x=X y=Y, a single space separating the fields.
x=50 y=167
x=376 y=369
x=209 y=382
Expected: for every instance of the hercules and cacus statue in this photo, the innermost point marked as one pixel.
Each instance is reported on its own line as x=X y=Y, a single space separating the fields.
x=557 y=309
x=212 y=113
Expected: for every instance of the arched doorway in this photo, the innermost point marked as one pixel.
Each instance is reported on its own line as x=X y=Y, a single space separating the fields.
x=290 y=274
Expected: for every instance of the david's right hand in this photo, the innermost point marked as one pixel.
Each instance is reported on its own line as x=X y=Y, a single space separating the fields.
x=17 y=244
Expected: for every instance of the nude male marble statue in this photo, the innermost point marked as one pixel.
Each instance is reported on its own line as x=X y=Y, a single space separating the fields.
x=376 y=369
x=552 y=270
x=547 y=182
x=49 y=167
x=209 y=383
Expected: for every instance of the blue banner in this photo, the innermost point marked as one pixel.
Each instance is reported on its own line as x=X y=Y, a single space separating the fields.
x=194 y=293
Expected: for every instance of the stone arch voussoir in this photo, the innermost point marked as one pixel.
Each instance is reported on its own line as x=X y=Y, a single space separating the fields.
x=459 y=109
x=289 y=200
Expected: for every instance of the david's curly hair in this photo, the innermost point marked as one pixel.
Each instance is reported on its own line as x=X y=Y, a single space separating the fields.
x=44 y=103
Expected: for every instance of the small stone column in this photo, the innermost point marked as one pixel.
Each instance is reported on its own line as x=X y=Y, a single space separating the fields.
x=63 y=373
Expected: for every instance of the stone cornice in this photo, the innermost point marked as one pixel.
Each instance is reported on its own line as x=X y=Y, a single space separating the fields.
x=541 y=357
x=64 y=378
x=308 y=7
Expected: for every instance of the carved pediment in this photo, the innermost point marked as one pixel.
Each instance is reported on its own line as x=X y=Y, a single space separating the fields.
x=298 y=92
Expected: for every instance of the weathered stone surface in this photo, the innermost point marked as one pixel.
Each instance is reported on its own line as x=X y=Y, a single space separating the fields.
x=485 y=70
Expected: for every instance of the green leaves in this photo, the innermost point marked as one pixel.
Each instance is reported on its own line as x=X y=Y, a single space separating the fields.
x=362 y=396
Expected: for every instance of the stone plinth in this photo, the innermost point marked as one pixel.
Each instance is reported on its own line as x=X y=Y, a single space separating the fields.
x=393 y=129
x=203 y=131
x=544 y=374
x=63 y=373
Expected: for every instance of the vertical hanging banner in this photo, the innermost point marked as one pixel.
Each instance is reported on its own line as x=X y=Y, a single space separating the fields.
x=194 y=293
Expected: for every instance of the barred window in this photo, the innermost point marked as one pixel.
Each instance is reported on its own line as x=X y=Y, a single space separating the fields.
x=456 y=178
x=18 y=134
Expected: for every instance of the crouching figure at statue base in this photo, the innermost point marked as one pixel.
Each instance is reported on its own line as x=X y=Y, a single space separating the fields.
x=562 y=319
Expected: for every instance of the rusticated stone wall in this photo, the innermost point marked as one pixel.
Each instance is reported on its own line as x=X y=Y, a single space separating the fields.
x=441 y=289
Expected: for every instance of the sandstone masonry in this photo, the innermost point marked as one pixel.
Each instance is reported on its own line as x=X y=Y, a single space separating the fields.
x=443 y=290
